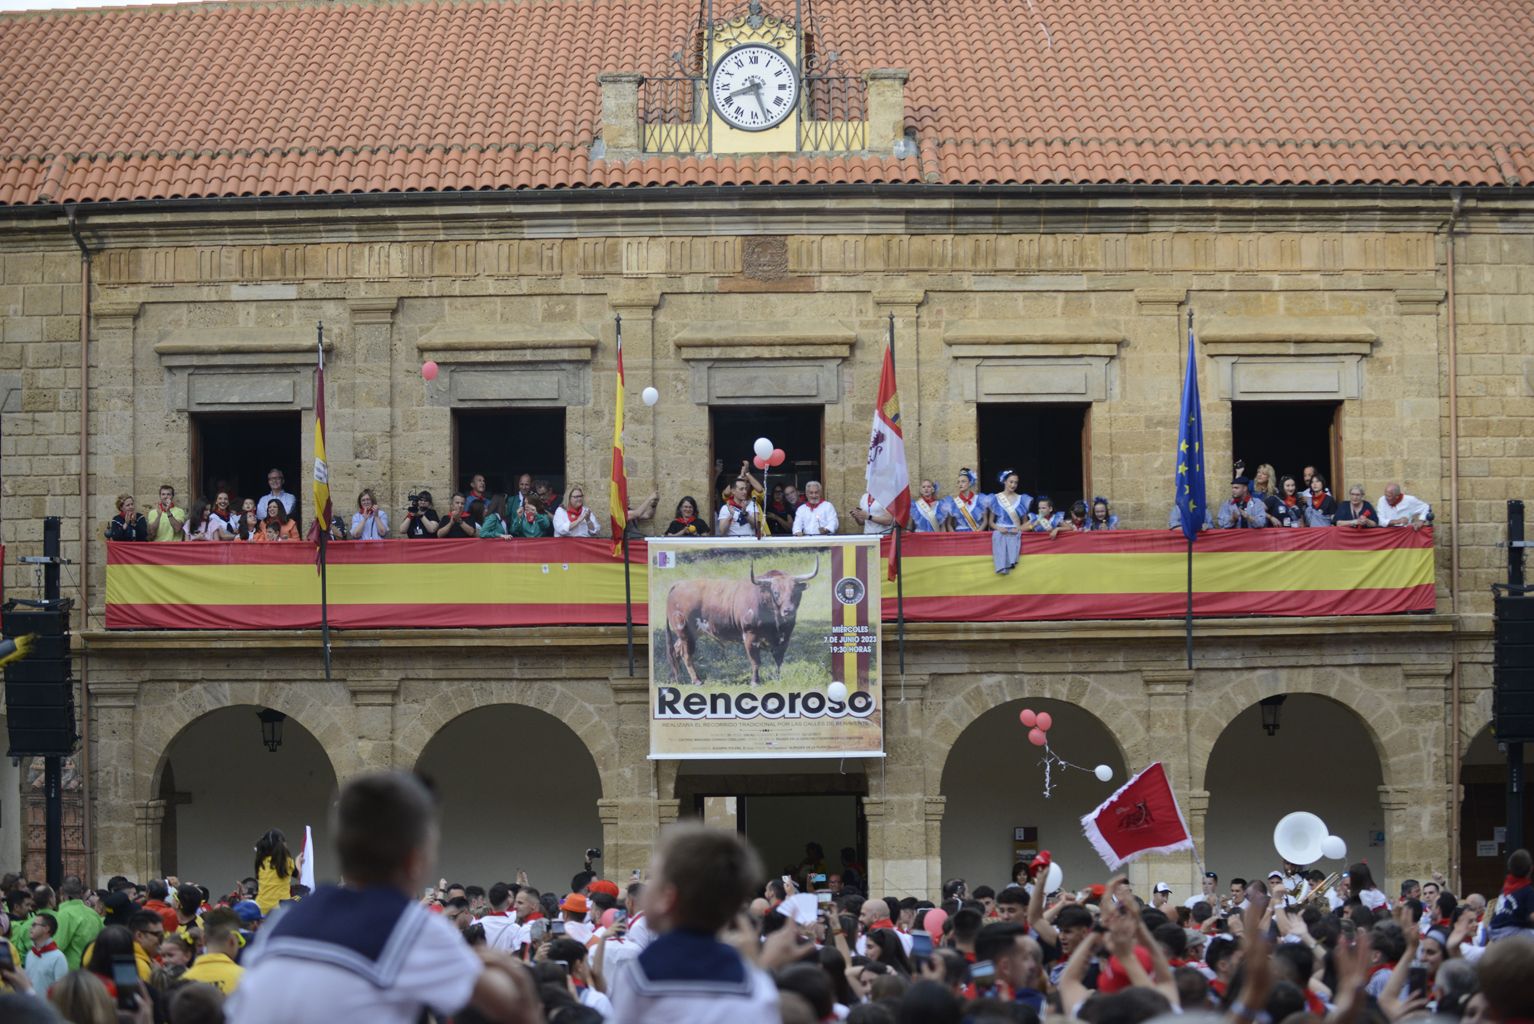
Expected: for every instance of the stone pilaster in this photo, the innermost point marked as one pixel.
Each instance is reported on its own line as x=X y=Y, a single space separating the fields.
x=148 y=819
x=369 y=404
x=631 y=815
x=374 y=700
x=635 y=302
x=933 y=808
x=1166 y=728
x=113 y=459
x=115 y=784
x=901 y=855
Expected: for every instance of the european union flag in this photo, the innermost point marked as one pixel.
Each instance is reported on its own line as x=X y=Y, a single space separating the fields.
x=1190 y=449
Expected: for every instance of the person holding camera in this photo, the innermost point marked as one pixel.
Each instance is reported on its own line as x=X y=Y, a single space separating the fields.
x=457 y=523
x=369 y=522
x=421 y=520
x=738 y=516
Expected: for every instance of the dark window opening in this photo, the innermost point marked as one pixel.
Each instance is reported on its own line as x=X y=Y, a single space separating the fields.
x=1048 y=445
x=234 y=451
x=1287 y=436
x=503 y=444
x=795 y=429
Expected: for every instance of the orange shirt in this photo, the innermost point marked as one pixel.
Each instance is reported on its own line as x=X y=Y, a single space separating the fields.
x=289 y=531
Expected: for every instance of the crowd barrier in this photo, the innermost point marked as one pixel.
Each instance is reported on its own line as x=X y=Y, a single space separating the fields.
x=1124 y=574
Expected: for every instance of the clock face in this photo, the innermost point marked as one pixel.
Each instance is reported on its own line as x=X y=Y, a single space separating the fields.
x=754 y=87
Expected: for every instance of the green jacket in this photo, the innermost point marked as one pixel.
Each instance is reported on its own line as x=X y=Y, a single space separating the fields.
x=78 y=927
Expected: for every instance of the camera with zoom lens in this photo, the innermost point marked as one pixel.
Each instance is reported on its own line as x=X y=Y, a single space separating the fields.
x=593 y=854
x=414 y=504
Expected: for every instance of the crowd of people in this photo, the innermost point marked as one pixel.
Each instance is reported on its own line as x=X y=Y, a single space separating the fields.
x=745 y=509
x=704 y=935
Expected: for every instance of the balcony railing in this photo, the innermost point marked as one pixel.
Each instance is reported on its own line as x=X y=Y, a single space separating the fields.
x=1125 y=574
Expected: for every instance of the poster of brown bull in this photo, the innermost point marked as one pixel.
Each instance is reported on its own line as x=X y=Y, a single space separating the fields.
x=765 y=648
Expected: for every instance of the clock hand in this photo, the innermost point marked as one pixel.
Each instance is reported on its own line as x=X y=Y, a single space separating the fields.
x=743 y=90
x=757 y=91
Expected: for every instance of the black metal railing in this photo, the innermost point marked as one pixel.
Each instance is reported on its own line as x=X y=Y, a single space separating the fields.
x=833 y=117
x=673 y=115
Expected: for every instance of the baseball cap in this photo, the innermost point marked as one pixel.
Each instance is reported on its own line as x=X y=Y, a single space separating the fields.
x=248 y=911
x=1162 y=887
x=1211 y=875
x=1276 y=874
x=603 y=885
x=1096 y=891
x=575 y=903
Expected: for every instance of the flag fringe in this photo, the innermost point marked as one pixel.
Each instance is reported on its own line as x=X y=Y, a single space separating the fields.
x=1094 y=834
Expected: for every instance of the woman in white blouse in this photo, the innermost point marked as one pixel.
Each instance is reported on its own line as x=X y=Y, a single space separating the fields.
x=574 y=518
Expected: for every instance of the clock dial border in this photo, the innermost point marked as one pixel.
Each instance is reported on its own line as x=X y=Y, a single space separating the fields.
x=793 y=70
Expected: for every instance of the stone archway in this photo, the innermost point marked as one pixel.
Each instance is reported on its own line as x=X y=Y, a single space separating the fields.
x=218 y=788
x=992 y=783
x=518 y=791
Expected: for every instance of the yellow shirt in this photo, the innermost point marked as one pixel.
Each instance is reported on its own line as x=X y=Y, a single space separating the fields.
x=272 y=888
x=142 y=962
x=217 y=970
x=166 y=525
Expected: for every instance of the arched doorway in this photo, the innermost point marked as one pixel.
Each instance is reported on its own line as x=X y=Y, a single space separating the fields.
x=1483 y=777
x=1320 y=759
x=994 y=785
x=517 y=790
x=223 y=788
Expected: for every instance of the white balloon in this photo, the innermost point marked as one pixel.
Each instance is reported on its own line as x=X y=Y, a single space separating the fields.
x=1053 y=879
x=837 y=691
x=1103 y=773
x=650 y=396
x=763 y=448
x=1334 y=848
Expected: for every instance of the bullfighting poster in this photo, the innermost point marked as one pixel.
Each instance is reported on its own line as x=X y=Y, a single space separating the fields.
x=765 y=648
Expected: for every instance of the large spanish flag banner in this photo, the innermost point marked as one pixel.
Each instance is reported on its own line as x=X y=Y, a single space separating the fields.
x=1123 y=574
x=765 y=648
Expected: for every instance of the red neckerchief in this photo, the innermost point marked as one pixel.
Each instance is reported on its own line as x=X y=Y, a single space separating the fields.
x=686 y=521
x=1314 y=1004
x=1217 y=987
x=571 y=513
x=1393 y=504
x=1513 y=883
x=534 y=916
x=1383 y=967
x=966 y=496
x=1317 y=499
x=496 y=913
x=40 y=950
x=1291 y=500
x=814 y=504
x=883 y=922
x=730 y=501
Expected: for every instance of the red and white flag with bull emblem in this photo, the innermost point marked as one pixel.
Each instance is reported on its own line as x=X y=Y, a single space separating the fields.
x=1142 y=817
x=889 y=481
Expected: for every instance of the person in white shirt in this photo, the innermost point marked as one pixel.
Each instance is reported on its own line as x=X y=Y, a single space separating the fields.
x=739 y=516
x=368 y=951
x=499 y=917
x=574 y=518
x=274 y=481
x=573 y=909
x=1210 y=895
x=1397 y=509
x=873 y=517
x=816 y=516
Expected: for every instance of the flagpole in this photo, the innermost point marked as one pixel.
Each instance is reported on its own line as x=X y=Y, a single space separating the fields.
x=323 y=533
x=1188 y=623
x=899 y=575
x=628 y=593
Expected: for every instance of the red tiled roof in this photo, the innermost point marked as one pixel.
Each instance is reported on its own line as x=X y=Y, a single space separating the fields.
x=302 y=98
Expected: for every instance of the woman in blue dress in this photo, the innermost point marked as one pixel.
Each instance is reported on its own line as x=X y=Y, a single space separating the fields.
x=968 y=511
x=1009 y=516
x=927 y=510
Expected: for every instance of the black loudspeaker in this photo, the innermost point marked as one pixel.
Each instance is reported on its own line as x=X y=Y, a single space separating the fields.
x=1513 y=670
x=39 y=689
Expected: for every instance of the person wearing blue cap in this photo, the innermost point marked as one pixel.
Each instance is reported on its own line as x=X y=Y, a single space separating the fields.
x=1242 y=511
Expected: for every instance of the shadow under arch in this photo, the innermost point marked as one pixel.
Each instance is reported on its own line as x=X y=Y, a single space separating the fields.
x=517 y=790
x=994 y=783
x=1321 y=759
x=222 y=788
x=1484 y=809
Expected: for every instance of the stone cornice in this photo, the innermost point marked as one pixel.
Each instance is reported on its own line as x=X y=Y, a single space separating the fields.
x=1285 y=335
x=241 y=341
x=1043 y=336
x=765 y=339
x=517 y=342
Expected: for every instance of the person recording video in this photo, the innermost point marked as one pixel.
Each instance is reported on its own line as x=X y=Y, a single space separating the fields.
x=421 y=520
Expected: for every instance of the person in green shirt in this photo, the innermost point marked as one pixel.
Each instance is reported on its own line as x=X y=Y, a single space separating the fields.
x=18 y=907
x=167 y=519
x=78 y=924
x=530 y=520
x=494 y=523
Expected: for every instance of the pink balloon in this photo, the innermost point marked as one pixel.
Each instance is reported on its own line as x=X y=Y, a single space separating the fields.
x=1045 y=721
x=776 y=458
x=934 y=922
x=429 y=370
x=1036 y=737
x=608 y=916
x=1028 y=718
x=759 y=462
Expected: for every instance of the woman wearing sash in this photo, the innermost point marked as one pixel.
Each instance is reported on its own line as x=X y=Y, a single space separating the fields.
x=967 y=511
x=1009 y=515
x=926 y=510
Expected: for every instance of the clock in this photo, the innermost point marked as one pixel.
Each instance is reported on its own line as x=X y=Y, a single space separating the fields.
x=754 y=87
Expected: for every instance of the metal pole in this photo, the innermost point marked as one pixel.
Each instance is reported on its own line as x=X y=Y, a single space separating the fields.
x=324 y=602
x=628 y=601
x=1515 y=578
x=1515 y=543
x=53 y=765
x=1188 y=625
x=899 y=600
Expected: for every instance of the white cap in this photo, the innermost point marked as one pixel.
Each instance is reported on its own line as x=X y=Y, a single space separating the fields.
x=1162 y=887
x=1275 y=874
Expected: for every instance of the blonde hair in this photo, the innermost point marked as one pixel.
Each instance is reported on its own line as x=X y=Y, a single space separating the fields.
x=1272 y=487
x=571 y=489
x=81 y=997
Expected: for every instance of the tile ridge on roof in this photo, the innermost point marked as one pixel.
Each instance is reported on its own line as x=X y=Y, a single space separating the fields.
x=328 y=5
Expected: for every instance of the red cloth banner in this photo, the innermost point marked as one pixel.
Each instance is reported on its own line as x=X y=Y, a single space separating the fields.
x=1142 y=817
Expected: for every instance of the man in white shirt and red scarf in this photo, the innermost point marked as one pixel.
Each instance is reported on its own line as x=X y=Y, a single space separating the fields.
x=1397 y=509
x=872 y=516
x=739 y=516
x=816 y=516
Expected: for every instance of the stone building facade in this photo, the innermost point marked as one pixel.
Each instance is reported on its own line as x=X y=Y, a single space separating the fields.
x=1344 y=299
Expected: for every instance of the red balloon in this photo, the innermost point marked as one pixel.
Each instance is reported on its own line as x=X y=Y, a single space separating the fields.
x=1036 y=737
x=776 y=458
x=1028 y=718
x=759 y=462
x=933 y=923
x=1045 y=721
x=429 y=370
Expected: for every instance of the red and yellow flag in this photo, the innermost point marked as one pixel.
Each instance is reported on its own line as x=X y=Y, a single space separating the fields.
x=618 y=493
x=322 y=509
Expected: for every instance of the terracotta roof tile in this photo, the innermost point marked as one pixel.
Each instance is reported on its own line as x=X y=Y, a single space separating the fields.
x=264 y=98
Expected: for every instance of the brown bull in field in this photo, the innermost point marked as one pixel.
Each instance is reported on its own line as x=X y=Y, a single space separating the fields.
x=759 y=614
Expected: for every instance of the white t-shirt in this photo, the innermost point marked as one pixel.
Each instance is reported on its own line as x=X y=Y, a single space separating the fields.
x=495 y=925
x=904 y=937
x=1193 y=901
x=439 y=970
x=588 y=526
x=1408 y=508
x=736 y=528
x=873 y=508
x=580 y=931
x=282 y=496
x=808 y=522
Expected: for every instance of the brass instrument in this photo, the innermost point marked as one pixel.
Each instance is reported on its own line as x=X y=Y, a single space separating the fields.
x=1319 y=892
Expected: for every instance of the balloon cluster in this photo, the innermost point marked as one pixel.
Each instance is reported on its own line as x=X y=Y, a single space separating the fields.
x=1038 y=724
x=766 y=454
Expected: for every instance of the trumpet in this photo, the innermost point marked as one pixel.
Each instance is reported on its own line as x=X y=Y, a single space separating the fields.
x=1319 y=892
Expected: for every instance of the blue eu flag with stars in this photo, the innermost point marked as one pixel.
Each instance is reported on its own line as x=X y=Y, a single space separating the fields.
x=1190 y=449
